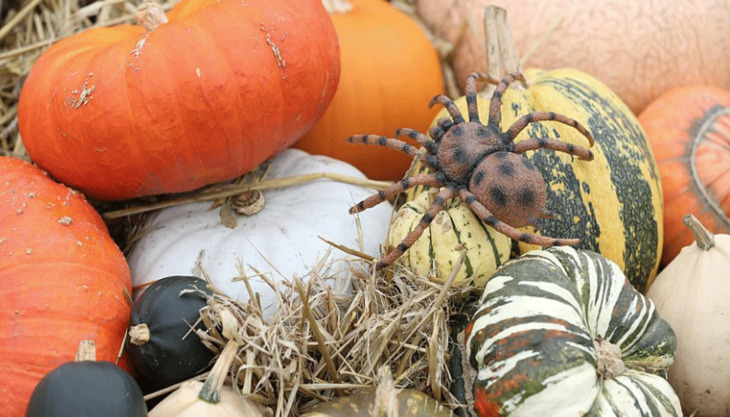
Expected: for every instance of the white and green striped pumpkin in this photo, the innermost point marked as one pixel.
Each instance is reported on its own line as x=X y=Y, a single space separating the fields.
x=439 y=246
x=561 y=332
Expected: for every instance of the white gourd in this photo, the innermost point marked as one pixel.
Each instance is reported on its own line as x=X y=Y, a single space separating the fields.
x=281 y=240
x=692 y=294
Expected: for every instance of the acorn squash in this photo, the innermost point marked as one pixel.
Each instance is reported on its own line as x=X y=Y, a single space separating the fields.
x=560 y=332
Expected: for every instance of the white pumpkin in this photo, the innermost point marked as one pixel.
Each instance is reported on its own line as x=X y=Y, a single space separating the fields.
x=281 y=240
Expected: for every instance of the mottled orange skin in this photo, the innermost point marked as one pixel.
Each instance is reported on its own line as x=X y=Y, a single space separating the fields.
x=62 y=279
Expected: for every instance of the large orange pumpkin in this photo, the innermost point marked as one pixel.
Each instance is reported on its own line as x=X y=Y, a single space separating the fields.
x=390 y=71
x=639 y=49
x=62 y=279
x=122 y=112
x=689 y=132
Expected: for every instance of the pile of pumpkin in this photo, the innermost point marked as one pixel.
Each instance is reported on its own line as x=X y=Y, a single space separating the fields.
x=125 y=114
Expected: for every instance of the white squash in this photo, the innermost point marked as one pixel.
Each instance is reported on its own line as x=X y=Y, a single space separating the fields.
x=281 y=240
x=692 y=294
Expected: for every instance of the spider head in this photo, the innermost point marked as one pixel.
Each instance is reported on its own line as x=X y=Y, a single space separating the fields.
x=463 y=145
x=510 y=187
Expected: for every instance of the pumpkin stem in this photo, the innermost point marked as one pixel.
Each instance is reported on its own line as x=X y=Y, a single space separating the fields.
x=608 y=362
x=86 y=351
x=337 y=6
x=705 y=240
x=139 y=334
x=150 y=15
x=210 y=392
x=502 y=55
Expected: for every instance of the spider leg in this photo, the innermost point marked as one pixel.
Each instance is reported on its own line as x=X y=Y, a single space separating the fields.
x=442 y=125
x=394 y=190
x=450 y=107
x=396 y=144
x=431 y=146
x=471 y=92
x=495 y=105
x=487 y=217
x=557 y=145
x=546 y=214
x=544 y=116
x=413 y=235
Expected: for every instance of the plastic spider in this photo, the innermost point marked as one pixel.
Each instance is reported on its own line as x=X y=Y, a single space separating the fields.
x=480 y=164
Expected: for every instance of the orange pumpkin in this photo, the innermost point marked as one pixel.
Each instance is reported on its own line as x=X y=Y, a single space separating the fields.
x=123 y=112
x=390 y=71
x=689 y=132
x=62 y=279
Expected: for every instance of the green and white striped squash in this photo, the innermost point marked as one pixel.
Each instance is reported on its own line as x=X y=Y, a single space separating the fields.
x=543 y=338
x=438 y=248
x=614 y=203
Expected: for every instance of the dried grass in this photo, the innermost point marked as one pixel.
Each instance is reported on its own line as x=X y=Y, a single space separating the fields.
x=324 y=342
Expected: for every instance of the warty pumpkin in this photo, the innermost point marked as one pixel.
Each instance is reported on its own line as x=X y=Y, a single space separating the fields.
x=279 y=241
x=63 y=279
x=689 y=132
x=389 y=72
x=639 y=49
x=691 y=293
x=613 y=203
x=560 y=332
x=124 y=111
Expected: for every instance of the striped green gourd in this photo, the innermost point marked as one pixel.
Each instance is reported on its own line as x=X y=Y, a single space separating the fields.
x=560 y=332
x=614 y=203
x=439 y=246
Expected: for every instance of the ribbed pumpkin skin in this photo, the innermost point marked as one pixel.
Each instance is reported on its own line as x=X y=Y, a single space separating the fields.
x=201 y=99
x=378 y=92
x=439 y=243
x=533 y=339
x=613 y=204
x=689 y=131
x=62 y=279
x=411 y=403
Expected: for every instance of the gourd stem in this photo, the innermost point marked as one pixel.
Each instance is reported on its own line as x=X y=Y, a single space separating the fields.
x=210 y=392
x=139 y=334
x=86 y=351
x=502 y=55
x=705 y=240
x=337 y=6
x=609 y=363
x=150 y=15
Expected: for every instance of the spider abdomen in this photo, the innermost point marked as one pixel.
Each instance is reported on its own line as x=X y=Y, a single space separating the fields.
x=510 y=187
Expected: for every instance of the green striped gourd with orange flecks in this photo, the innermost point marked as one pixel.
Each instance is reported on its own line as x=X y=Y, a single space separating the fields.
x=438 y=248
x=560 y=332
x=613 y=204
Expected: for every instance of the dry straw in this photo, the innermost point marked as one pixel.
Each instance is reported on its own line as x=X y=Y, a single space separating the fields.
x=325 y=342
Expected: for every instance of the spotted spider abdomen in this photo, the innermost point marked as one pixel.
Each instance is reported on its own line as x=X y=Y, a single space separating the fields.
x=510 y=187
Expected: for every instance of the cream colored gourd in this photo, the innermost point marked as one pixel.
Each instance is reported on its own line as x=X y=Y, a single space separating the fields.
x=692 y=293
x=211 y=398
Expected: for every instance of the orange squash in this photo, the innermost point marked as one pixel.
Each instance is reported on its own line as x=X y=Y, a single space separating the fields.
x=689 y=132
x=639 y=49
x=389 y=71
x=62 y=279
x=223 y=85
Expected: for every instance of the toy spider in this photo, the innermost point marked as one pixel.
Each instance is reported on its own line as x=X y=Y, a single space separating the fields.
x=480 y=164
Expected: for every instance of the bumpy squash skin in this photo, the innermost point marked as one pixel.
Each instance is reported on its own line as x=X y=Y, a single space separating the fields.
x=614 y=203
x=452 y=227
x=173 y=353
x=533 y=341
x=87 y=389
x=411 y=403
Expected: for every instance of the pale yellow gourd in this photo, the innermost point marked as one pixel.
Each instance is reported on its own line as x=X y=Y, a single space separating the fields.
x=692 y=294
x=211 y=398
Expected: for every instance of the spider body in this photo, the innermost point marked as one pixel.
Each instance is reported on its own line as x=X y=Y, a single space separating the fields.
x=481 y=164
